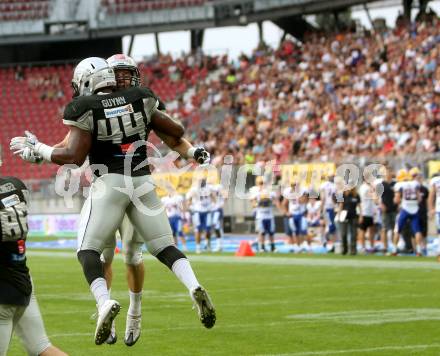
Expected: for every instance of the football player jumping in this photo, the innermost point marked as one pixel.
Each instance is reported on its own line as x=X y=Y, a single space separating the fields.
x=107 y=126
x=127 y=75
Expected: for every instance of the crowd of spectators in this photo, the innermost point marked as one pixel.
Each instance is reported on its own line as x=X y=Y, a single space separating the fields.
x=331 y=97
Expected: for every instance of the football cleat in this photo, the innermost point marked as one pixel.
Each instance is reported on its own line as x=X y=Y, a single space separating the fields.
x=106 y=315
x=205 y=308
x=112 y=338
x=132 y=329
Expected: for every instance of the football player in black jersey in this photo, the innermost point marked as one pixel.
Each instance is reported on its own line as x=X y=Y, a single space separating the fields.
x=19 y=309
x=108 y=127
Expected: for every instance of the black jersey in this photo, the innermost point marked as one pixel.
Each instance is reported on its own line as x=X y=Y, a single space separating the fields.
x=15 y=282
x=116 y=121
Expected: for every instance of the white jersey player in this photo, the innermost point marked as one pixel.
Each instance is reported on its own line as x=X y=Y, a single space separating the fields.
x=295 y=205
x=408 y=196
x=200 y=199
x=314 y=214
x=327 y=195
x=263 y=202
x=174 y=206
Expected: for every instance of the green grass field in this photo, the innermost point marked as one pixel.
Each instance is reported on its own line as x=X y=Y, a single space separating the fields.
x=265 y=306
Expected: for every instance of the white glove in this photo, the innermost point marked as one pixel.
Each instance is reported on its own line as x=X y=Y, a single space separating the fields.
x=31 y=156
x=36 y=150
x=18 y=144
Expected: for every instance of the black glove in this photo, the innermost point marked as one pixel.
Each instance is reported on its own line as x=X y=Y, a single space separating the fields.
x=202 y=156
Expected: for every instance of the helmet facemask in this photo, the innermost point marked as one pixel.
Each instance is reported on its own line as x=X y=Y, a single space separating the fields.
x=127 y=77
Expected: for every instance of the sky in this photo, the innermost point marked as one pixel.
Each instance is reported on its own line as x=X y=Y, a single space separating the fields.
x=237 y=40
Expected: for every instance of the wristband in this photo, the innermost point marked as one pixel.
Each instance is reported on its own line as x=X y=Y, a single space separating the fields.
x=190 y=152
x=44 y=151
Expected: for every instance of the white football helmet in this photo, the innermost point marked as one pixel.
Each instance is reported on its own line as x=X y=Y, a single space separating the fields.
x=122 y=61
x=91 y=74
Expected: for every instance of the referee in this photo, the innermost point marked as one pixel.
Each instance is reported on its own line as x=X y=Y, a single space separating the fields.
x=19 y=310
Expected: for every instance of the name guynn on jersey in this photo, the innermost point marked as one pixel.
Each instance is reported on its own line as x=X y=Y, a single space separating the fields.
x=107 y=103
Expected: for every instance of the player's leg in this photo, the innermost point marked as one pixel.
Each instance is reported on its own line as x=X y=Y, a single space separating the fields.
x=208 y=227
x=173 y=224
x=388 y=222
x=197 y=232
x=101 y=215
x=7 y=314
x=107 y=256
x=271 y=232
x=217 y=224
x=401 y=221
x=259 y=228
x=371 y=231
x=424 y=232
x=417 y=232
x=296 y=233
x=132 y=244
x=304 y=232
x=203 y=226
x=30 y=329
x=156 y=232
x=343 y=230
x=181 y=234
x=289 y=233
x=331 y=233
x=353 y=230
x=361 y=235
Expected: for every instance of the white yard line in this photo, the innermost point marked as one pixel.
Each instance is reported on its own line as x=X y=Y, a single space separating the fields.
x=291 y=261
x=372 y=317
x=360 y=351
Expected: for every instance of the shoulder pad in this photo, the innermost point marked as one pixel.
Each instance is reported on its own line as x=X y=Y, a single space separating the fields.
x=78 y=106
x=161 y=106
x=151 y=93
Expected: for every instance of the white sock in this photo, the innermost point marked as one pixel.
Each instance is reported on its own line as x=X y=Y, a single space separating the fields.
x=182 y=269
x=99 y=290
x=135 y=303
x=197 y=246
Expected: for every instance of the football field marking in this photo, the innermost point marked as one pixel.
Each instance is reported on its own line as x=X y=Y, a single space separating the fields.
x=372 y=317
x=360 y=351
x=312 y=261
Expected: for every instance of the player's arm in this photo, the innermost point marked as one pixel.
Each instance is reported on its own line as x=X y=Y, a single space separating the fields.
x=184 y=147
x=398 y=197
x=63 y=143
x=75 y=152
x=162 y=122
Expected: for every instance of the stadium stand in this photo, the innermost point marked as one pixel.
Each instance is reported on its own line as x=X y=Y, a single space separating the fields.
x=127 y=6
x=336 y=96
x=11 y=10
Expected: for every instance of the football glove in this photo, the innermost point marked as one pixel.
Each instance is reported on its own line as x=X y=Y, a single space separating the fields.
x=31 y=156
x=20 y=143
x=202 y=156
